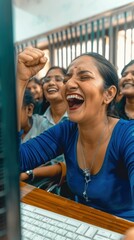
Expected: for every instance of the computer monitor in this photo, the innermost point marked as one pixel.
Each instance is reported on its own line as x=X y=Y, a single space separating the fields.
x=9 y=160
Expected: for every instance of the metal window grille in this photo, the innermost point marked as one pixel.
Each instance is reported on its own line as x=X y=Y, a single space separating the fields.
x=110 y=34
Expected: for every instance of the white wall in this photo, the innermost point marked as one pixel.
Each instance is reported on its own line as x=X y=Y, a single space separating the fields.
x=57 y=13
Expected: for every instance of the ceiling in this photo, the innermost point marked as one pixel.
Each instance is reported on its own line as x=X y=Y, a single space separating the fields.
x=34 y=7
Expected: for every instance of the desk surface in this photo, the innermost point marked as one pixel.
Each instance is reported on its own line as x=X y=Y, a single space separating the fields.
x=52 y=202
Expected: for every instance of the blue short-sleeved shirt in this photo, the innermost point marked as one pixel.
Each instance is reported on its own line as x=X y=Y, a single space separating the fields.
x=112 y=188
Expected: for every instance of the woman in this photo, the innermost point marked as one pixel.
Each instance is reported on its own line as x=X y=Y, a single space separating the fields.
x=125 y=107
x=53 y=87
x=31 y=124
x=35 y=86
x=98 y=148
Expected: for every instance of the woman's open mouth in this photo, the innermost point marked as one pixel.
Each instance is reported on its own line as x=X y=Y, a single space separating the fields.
x=74 y=101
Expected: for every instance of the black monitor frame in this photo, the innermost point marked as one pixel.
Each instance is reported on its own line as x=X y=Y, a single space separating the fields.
x=9 y=157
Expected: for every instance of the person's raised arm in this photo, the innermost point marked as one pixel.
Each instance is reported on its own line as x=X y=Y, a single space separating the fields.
x=30 y=62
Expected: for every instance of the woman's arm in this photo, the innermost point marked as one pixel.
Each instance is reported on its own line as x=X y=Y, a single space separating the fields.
x=30 y=62
x=43 y=171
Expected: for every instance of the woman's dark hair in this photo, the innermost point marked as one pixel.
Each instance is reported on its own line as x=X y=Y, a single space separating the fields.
x=108 y=73
x=126 y=66
x=63 y=70
x=35 y=80
x=28 y=98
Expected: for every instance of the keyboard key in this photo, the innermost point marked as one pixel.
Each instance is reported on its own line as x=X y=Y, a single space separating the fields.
x=104 y=233
x=82 y=229
x=115 y=236
x=91 y=232
x=97 y=237
x=82 y=238
x=71 y=235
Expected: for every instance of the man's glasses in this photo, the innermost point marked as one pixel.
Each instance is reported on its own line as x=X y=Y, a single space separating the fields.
x=56 y=78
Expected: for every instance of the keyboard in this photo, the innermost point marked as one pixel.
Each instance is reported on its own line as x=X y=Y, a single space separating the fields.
x=40 y=224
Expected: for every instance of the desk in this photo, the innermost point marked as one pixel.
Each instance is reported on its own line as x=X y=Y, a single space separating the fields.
x=52 y=202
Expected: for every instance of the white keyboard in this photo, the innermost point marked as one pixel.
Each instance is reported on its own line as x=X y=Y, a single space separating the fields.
x=40 y=224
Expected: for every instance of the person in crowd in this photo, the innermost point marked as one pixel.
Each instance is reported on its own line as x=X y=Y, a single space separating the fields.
x=98 y=147
x=35 y=86
x=125 y=107
x=53 y=91
x=31 y=124
x=53 y=87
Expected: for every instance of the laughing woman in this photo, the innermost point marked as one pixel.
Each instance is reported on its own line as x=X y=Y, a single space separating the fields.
x=125 y=107
x=98 y=148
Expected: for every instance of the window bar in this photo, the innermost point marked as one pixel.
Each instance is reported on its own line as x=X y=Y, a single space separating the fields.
x=35 y=43
x=80 y=38
x=57 y=47
x=75 y=40
x=18 y=49
x=98 y=34
x=125 y=36
x=111 y=40
x=32 y=43
x=22 y=47
x=132 y=35
x=67 y=42
x=51 y=51
x=103 y=37
x=86 y=36
x=92 y=36
x=62 y=46
x=71 y=43
x=115 y=46
x=74 y=36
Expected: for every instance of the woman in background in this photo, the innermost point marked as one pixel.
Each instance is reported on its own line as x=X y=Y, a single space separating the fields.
x=53 y=87
x=31 y=124
x=35 y=86
x=125 y=107
x=34 y=124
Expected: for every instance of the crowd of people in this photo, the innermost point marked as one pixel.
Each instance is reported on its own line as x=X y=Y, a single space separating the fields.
x=89 y=121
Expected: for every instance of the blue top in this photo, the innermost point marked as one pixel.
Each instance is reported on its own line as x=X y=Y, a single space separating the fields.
x=112 y=188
